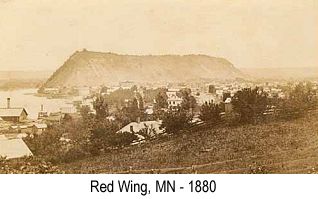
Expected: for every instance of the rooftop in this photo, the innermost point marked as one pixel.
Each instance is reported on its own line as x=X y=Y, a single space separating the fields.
x=155 y=125
x=11 y=112
x=13 y=148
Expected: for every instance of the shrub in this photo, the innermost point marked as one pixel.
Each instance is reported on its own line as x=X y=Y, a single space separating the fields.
x=249 y=104
x=51 y=146
x=174 y=121
x=105 y=138
x=122 y=139
x=210 y=112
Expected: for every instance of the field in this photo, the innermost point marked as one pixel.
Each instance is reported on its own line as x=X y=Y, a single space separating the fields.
x=276 y=147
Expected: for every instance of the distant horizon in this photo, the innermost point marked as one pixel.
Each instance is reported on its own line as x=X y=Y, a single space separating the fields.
x=247 y=68
x=193 y=54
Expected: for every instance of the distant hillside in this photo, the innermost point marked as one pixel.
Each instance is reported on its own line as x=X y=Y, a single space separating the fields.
x=10 y=80
x=24 y=75
x=87 y=68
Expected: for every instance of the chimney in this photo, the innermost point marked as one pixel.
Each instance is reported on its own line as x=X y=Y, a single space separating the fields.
x=131 y=129
x=8 y=102
x=138 y=120
x=41 y=107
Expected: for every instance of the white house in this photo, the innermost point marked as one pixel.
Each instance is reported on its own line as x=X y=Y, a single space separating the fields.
x=152 y=127
x=173 y=99
x=206 y=97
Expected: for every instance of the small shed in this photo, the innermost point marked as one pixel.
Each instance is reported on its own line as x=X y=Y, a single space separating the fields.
x=39 y=128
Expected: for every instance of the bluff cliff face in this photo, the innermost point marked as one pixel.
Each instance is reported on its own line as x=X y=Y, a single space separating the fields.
x=88 y=68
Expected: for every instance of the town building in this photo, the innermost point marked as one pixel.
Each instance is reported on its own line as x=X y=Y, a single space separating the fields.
x=10 y=114
x=205 y=97
x=42 y=114
x=39 y=128
x=152 y=127
x=173 y=99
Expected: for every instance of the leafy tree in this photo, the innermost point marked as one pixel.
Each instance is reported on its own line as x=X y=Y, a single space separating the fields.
x=86 y=114
x=161 y=100
x=48 y=145
x=122 y=139
x=250 y=104
x=226 y=95
x=62 y=143
x=303 y=96
x=161 y=104
x=104 y=89
x=130 y=113
x=300 y=99
x=140 y=101
x=174 y=121
x=119 y=97
x=101 y=107
x=212 y=89
x=104 y=136
x=210 y=112
x=151 y=94
x=188 y=101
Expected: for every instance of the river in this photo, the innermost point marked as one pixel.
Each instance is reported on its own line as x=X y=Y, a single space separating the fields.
x=26 y=98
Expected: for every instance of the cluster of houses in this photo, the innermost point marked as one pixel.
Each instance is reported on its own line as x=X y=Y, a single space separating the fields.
x=15 y=125
x=15 y=119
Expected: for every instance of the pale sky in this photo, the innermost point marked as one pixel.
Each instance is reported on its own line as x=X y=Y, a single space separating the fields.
x=41 y=35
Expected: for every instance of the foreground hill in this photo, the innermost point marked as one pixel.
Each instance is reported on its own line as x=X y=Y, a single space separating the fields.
x=278 y=147
x=87 y=68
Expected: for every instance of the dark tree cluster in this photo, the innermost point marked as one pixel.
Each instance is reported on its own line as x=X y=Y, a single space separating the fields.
x=300 y=99
x=188 y=101
x=250 y=104
x=210 y=112
x=175 y=121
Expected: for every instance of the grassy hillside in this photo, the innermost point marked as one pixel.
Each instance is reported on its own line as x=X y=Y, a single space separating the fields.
x=279 y=147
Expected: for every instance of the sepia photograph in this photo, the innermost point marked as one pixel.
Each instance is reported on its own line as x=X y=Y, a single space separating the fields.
x=159 y=87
